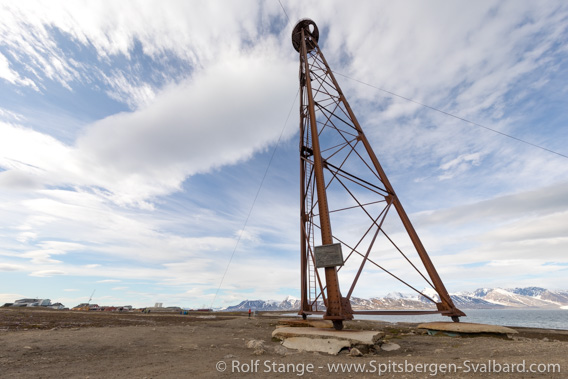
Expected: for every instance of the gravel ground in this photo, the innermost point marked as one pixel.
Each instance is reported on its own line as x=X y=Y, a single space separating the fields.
x=46 y=344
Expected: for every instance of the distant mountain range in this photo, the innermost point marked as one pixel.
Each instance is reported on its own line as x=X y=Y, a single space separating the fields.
x=482 y=298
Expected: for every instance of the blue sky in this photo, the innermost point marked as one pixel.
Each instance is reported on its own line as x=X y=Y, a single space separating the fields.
x=134 y=137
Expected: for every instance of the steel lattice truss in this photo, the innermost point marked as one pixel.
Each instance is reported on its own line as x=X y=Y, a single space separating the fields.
x=365 y=212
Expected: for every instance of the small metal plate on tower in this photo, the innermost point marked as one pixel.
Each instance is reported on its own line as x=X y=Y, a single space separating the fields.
x=328 y=255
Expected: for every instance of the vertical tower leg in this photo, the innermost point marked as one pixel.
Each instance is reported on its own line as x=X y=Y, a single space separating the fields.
x=334 y=310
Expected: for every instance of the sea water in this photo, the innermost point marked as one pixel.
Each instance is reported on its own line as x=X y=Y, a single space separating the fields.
x=529 y=318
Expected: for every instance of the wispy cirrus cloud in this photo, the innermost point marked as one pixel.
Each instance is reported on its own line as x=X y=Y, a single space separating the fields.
x=12 y=76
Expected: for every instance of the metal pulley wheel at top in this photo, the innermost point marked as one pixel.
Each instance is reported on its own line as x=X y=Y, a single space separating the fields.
x=311 y=34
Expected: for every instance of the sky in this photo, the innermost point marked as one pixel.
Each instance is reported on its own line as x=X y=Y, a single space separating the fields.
x=135 y=135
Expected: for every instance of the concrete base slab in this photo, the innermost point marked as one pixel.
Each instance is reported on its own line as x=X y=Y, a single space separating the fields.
x=331 y=346
x=329 y=341
x=306 y=323
x=466 y=328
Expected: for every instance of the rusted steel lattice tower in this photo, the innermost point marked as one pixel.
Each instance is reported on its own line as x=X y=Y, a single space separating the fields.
x=341 y=181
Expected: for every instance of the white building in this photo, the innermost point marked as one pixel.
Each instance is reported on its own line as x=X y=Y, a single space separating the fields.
x=32 y=303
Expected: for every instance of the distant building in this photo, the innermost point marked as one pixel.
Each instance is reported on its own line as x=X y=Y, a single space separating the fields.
x=81 y=307
x=32 y=303
x=86 y=307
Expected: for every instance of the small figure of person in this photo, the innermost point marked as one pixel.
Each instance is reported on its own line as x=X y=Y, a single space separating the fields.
x=250 y=312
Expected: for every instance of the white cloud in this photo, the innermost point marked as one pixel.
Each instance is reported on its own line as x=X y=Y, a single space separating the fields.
x=8 y=115
x=47 y=273
x=542 y=201
x=42 y=256
x=143 y=154
x=459 y=165
x=175 y=38
x=464 y=59
x=10 y=267
x=33 y=159
x=26 y=236
x=12 y=76
x=218 y=117
x=134 y=94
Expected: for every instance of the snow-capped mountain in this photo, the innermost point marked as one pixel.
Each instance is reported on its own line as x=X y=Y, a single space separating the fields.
x=289 y=303
x=560 y=297
x=257 y=305
x=529 y=297
x=400 y=295
x=481 y=292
